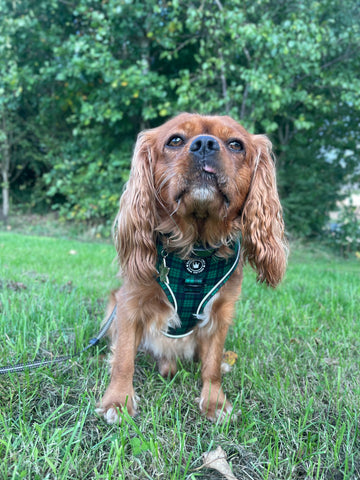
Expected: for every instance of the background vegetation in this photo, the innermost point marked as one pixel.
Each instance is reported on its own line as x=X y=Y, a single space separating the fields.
x=80 y=78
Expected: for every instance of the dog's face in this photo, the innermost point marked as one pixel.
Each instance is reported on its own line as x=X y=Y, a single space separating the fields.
x=201 y=179
x=203 y=166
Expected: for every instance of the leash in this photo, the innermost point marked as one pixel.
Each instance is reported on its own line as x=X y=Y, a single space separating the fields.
x=20 y=367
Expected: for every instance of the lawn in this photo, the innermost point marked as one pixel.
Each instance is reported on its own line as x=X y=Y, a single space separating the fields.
x=296 y=380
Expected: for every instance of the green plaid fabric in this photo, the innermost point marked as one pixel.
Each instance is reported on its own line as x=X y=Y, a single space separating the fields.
x=190 y=284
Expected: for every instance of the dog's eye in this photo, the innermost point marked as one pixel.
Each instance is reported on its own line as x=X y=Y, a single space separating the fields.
x=236 y=145
x=175 y=141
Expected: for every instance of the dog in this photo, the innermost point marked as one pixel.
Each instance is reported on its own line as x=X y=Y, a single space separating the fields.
x=201 y=200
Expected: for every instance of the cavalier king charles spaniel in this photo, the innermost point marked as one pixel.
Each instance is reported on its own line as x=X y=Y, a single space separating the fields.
x=201 y=200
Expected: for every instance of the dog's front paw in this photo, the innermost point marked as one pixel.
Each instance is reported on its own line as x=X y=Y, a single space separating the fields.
x=214 y=405
x=112 y=406
x=110 y=414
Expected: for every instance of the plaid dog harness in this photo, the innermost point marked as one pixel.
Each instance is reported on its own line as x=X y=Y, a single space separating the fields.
x=189 y=284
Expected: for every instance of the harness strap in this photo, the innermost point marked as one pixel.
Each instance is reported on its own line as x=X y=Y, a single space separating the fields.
x=191 y=283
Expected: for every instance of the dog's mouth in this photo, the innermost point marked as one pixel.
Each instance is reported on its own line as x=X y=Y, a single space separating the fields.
x=204 y=193
x=206 y=175
x=208 y=178
x=208 y=169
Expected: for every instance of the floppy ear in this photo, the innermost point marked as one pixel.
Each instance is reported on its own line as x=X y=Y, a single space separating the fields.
x=264 y=245
x=134 y=226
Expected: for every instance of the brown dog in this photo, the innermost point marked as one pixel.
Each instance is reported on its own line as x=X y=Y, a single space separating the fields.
x=199 y=187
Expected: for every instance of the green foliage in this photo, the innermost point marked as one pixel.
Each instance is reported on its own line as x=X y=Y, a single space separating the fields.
x=79 y=80
x=83 y=184
x=309 y=186
x=344 y=234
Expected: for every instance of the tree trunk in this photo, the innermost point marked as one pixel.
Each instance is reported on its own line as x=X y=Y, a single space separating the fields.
x=5 y=168
x=5 y=196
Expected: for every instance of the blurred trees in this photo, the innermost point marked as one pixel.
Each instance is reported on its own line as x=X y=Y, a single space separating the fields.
x=79 y=79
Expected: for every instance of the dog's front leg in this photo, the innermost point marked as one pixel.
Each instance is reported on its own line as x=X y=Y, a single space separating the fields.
x=213 y=402
x=120 y=392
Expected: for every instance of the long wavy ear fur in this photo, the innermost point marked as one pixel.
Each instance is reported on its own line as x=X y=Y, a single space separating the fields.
x=134 y=226
x=264 y=244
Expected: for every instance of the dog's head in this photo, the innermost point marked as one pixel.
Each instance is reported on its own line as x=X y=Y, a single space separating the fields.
x=201 y=179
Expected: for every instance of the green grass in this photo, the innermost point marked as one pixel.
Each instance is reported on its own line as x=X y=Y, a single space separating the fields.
x=296 y=380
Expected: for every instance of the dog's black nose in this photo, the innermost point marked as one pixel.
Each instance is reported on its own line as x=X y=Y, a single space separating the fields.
x=204 y=145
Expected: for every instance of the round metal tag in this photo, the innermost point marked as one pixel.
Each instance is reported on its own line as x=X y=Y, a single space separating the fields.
x=195 y=265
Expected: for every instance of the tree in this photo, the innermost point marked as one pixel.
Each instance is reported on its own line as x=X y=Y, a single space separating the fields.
x=288 y=69
x=21 y=150
x=9 y=92
x=105 y=70
x=108 y=92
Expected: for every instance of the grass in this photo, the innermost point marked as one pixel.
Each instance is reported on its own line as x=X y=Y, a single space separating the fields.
x=296 y=380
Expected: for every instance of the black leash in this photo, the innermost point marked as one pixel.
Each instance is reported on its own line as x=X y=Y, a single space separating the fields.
x=20 y=367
